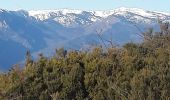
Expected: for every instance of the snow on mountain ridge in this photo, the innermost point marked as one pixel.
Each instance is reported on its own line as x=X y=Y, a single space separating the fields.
x=141 y=12
x=64 y=11
x=68 y=16
x=100 y=13
x=47 y=13
x=3 y=10
x=73 y=17
x=134 y=10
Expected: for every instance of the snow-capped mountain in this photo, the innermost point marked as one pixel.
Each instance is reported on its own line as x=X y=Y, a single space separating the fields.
x=45 y=30
x=66 y=17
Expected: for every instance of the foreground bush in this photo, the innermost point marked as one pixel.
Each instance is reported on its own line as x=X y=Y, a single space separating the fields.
x=133 y=72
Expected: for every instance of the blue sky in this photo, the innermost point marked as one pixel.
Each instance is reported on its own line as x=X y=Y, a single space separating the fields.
x=158 y=5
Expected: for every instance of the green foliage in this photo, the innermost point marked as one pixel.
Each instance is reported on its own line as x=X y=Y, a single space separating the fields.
x=133 y=72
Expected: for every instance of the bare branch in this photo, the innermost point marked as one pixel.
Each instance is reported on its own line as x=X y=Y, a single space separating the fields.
x=100 y=37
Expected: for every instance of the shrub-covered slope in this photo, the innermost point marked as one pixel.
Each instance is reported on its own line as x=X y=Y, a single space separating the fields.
x=133 y=72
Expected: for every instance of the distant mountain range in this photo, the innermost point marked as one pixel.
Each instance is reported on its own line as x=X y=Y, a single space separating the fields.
x=45 y=30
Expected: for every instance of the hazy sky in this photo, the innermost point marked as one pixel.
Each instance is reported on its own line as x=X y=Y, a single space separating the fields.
x=159 y=5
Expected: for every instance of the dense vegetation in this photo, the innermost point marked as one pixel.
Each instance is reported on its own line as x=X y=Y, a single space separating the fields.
x=132 y=72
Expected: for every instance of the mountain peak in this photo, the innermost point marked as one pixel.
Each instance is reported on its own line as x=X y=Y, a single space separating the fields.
x=63 y=11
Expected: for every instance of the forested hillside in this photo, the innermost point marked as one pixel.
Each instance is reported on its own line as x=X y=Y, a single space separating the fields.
x=132 y=72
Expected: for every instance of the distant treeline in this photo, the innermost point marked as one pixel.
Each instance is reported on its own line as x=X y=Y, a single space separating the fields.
x=132 y=72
